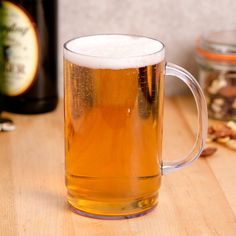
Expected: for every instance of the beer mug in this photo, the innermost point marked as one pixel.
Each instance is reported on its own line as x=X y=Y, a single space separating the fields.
x=113 y=90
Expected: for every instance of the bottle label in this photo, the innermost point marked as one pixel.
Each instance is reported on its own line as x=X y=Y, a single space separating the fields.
x=19 y=46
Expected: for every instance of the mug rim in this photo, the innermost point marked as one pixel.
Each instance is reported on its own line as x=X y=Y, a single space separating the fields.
x=101 y=61
x=65 y=45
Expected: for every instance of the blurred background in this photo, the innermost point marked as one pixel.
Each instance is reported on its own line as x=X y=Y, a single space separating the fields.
x=177 y=23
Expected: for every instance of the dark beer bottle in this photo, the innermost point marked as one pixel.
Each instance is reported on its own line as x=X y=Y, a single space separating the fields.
x=28 y=55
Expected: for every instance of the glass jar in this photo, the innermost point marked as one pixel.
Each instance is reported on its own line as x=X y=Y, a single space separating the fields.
x=216 y=57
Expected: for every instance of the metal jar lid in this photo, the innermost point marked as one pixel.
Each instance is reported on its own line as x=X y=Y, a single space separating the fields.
x=6 y=124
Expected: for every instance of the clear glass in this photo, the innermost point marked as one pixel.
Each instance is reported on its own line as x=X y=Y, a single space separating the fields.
x=113 y=124
x=219 y=85
x=216 y=56
x=222 y=42
x=201 y=135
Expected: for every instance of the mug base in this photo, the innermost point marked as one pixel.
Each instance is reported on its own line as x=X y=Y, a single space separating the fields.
x=110 y=217
x=113 y=212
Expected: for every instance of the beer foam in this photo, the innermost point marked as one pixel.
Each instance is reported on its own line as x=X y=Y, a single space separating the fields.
x=114 y=51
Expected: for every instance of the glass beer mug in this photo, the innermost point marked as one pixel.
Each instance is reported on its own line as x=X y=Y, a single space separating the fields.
x=114 y=88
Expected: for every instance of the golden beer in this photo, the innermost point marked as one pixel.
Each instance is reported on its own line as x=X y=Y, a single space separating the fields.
x=113 y=136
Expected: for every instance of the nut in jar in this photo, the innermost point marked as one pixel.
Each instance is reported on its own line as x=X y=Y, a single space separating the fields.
x=216 y=56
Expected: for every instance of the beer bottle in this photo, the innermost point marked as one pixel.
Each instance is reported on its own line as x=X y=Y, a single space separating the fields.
x=28 y=55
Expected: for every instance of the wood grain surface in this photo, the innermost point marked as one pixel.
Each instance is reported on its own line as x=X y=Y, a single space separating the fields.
x=199 y=200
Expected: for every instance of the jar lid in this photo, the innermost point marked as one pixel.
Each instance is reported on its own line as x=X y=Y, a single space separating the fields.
x=218 y=46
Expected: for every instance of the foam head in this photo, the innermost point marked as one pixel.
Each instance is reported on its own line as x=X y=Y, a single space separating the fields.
x=114 y=51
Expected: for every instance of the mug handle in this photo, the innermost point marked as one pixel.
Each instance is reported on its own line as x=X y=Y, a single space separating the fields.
x=190 y=81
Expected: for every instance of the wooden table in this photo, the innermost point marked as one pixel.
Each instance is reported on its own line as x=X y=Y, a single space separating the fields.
x=199 y=200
